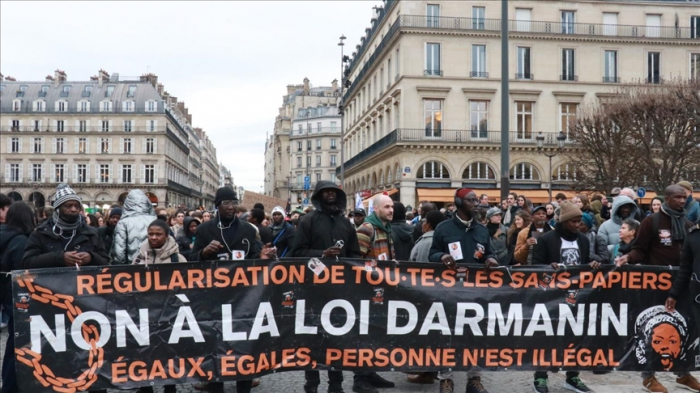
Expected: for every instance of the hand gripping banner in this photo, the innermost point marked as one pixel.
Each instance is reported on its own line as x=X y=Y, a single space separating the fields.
x=129 y=326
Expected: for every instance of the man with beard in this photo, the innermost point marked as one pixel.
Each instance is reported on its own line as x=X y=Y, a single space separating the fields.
x=107 y=232
x=623 y=208
x=224 y=238
x=64 y=239
x=528 y=238
x=659 y=242
x=463 y=239
x=567 y=246
x=282 y=233
x=318 y=236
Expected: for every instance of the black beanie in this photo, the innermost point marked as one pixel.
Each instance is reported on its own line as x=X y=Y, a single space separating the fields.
x=225 y=194
x=116 y=211
x=160 y=224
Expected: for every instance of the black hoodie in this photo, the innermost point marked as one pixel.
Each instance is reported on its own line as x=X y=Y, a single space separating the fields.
x=12 y=244
x=321 y=229
x=186 y=238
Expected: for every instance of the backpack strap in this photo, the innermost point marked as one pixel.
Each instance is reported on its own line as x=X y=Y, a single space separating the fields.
x=655 y=219
x=174 y=258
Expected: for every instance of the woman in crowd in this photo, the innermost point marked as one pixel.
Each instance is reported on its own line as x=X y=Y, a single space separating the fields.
x=550 y=214
x=522 y=203
x=655 y=205
x=522 y=220
x=628 y=232
x=582 y=202
x=186 y=239
x=91 y=220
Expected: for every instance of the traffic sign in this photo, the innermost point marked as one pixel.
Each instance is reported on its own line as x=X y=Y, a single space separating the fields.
x=307 y=186
x=307 y=179
x=306 y=201
x=641 y=192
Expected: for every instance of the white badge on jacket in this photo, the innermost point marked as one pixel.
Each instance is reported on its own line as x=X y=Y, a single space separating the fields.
x=237 y=255
x=456 y=251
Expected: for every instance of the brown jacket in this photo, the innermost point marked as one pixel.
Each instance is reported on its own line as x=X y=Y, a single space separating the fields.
x=648 y=248
x=522 y=249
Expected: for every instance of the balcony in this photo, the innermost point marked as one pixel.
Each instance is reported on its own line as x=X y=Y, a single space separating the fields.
x=92 y=109
x=424 y=137
x=52 y=128
x=568 y=78
x=432 y=73
x=654 y=80
x=478 y=74
x=526 y=76
x=611 y=79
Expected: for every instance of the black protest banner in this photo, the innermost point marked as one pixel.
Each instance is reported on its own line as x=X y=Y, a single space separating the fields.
x=128 y=326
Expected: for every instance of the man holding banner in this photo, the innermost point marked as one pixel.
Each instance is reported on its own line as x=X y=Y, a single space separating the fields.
x=462 y=239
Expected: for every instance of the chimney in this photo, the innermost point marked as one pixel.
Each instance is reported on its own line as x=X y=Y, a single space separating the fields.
x=49 y=78
x=290 y=89
x=102 y=77
x=334 y=85
x=189 y=118
x=59 y=76
x=306 y=86
x=150 y=78
x=11 y=79
x=160 y=88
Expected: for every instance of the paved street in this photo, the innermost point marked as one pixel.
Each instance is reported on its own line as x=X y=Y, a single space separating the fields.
x=502 y=382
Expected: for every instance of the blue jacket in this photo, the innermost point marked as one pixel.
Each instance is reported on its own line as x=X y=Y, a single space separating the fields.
x=474 y=241
x=692 y=209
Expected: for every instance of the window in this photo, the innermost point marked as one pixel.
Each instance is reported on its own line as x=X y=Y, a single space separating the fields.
x=298 y=162
x=478 y=115
x=397 y=64
x=432 y=60
x=567 y=117
x=15 y=146
x=83 y=106
x=568 y=19
x=610 y=75
x=38 y=145
x=106 y=106
x=127 y=174
x=318 y=176
x=128 y=106
x=58 y=173
x=568 y=72
x=103 y=174
x=39 y=106
x=87 y=90
x=150 y=146
x=15 y=173
x=82 y=125
x=523 y=113
x=149 y=174
x=524 y=171
x=432 y=170
x=127 y=125
x=653 y=25
x=105 y=125
x=152 y=125
x=609 y=23
x=478 y=18
x=104 y=145
x=308 y=145
x=81 y=173
x=479 y=171
x=523 y=63
x=65 y=91
x=381 y=80
x=131 y=91
x=300 y=128
x=654 y=67
x=318 y=144
x=60 y=126
x=127 y=145
x=333 y=144
x=17 y=105
x=334 y=126
x=479 y=62
x=433 y=13
x=523 y=16
x=37 y=172
x=318 y=160
x=82 y=145
x=695 y=65
x=109 y=91
x=61 y=106
x=299 y=146
x=319 y=128
x=695 y=27
x=334 y=161
x=566 y=172
x=37 y=125
x=308 y=161
x=151 y=106
x=59 y=146
x=15 y=125
x=44 y=90
x=432 y=110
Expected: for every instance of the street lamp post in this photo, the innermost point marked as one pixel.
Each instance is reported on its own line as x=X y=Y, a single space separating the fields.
x=341 y=111
x=561 y=139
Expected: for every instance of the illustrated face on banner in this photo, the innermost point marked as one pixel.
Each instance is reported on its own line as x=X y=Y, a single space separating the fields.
x=661 y=338
x=666 y=342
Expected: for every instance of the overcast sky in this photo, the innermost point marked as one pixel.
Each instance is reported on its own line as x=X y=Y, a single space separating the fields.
x=230 y=62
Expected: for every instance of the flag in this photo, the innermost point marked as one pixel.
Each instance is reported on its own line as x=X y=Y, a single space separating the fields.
x=370 y=209
x=358 y=201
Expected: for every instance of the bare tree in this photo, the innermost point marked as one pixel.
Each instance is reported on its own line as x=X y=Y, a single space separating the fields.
x=645 y=135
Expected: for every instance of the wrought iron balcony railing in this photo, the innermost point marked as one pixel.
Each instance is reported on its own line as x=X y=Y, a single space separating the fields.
x=570 y=78
x=528 y=76
x=432 y=73
x=479 y=74
x=611 y=79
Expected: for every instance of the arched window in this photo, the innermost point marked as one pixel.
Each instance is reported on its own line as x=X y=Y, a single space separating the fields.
x=479 y=171
x=381 y=177
x=524 y=171
x=389 y=176
x=397 y=173
x=433 y=170
x=565 y=172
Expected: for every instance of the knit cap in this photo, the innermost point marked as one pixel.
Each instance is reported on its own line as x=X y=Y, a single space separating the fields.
x=278 y=209
x=116 y=211
x=588 y=220
x=492 y=212
x=686 y=185
x=569 y=211
x=64 y=194
x=225 y=194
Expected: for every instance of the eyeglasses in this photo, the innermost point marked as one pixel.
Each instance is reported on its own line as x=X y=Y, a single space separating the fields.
x=470 y=200
x=229 y=203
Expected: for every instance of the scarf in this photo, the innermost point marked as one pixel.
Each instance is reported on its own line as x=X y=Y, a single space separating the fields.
x=276 y=228
x=566 y=234
x=378 y=223
x=66 y=226
x=493 y=228
x=677 y=222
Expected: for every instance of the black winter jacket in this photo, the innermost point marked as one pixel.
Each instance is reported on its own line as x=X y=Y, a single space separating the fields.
x=690 y=264
x=106 y=233
x=320 y=230
x=548 y=248
x=402 y=236
x=474 y=241
x=45 y=248
x=284 y=240
x=240 y=236
x=12 y=245
x=185 y=239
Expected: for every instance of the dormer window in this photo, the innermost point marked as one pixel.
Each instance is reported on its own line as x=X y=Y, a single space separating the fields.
x=39 y=106
x=109 y=91
x=131 y=92
x=106 y=106
x=44 y=90
x=16 y=105
x=66 y=91
x=83 y=106
x=61 y=106
x=21 y=91
x=87 y=91
x=128 y=106
x=151 y=106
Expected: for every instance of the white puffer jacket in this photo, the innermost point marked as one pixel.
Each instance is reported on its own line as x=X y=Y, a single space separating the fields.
x=132 y=229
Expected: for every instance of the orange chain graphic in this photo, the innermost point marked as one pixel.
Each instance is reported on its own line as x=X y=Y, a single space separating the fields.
x=32 y=359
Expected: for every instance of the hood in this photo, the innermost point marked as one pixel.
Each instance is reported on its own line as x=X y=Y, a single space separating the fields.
x=340 y=201
x=621 y=201
x=403 y=231
x=374 y=220
x=688 y=201
x=136 y=204
x=186 y=225
x=162 y=254
x=596 y=207
x=7 y=234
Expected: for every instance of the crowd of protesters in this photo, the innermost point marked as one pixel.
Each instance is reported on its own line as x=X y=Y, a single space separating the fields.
x=581 y=231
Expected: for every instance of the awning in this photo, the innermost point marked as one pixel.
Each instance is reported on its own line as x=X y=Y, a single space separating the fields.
x=365 y=202
x=446 y=195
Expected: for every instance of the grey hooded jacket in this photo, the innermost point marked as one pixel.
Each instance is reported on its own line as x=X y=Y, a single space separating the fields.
x=610 y=230
x=132 y=229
